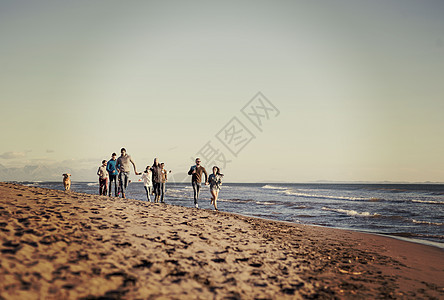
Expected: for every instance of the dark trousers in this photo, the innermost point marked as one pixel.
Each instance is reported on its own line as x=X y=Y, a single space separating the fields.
x=196 y=189
x=156 y=186
x=162 y=191
x=112 y=178
x=103 y=186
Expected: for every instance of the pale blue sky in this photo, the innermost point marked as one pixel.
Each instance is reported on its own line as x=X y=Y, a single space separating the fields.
x=358 y=84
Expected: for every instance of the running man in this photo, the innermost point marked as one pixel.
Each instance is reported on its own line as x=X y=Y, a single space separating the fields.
x=196 y=179
x=123 y=166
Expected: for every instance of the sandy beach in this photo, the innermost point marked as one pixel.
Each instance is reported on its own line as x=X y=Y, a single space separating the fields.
x=66 y=245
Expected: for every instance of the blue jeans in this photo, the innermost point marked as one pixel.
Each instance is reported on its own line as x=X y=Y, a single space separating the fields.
x=123 y=181
x=196 y=189
x=148 y=192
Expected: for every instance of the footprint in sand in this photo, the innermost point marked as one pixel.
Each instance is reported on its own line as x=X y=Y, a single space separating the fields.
x=122 y=245
x=256 y=265
x=12 y=247
x=144 y=264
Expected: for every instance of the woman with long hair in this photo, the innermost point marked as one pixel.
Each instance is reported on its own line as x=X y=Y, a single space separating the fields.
x=215 y=181
x=147 y=182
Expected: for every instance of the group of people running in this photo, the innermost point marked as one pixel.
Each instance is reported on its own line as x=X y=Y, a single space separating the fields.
x=154 y=178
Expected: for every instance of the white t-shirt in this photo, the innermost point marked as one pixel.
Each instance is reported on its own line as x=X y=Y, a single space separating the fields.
x=147 y=178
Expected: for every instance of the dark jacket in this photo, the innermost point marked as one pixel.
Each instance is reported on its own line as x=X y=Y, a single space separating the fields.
x=157 y=173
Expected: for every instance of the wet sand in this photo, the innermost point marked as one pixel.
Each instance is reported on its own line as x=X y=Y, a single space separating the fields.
x=66 y=245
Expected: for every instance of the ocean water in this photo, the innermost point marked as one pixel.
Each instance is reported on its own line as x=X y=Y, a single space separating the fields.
x=409 y=211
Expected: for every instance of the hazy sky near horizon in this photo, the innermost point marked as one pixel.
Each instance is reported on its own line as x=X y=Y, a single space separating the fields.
x=359 y=85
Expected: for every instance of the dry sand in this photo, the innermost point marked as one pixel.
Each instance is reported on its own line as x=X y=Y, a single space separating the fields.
x=57 y=245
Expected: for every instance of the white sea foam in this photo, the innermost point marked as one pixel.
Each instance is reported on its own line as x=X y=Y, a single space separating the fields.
x=303 y=193
x=293 y=193
x=428 y=201
x=92 y=184
x=34 y=183
x=272 y=187
x=352 y=213
x=265 y=203
x=427 y=223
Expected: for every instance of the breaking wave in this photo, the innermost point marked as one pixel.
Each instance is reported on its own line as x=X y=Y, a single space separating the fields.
x=305 y=195
x=428 y=201
x=272 y=187
x=352 y=213
x=427 y=223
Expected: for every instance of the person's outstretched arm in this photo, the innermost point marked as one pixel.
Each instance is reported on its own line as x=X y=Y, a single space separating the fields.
x=134 y=165
x=206 y=176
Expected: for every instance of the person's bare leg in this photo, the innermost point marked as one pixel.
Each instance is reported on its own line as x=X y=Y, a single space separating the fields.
x=212 y=196
x=216 y=195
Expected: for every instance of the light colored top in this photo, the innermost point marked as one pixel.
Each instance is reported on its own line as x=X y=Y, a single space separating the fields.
x=102 y=172
x=147 y=178
x=123 y=163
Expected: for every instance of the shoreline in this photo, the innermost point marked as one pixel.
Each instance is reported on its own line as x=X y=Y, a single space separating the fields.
x=428 y=243
x=73 y=245
x=439 y=245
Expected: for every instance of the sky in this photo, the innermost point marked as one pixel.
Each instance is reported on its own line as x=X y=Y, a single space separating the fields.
x=356 y=88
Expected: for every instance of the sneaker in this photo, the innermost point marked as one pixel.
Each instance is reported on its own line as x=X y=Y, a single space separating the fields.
x=197 y=206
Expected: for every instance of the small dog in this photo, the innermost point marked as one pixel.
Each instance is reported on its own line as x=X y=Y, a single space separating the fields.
x=67 y=181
